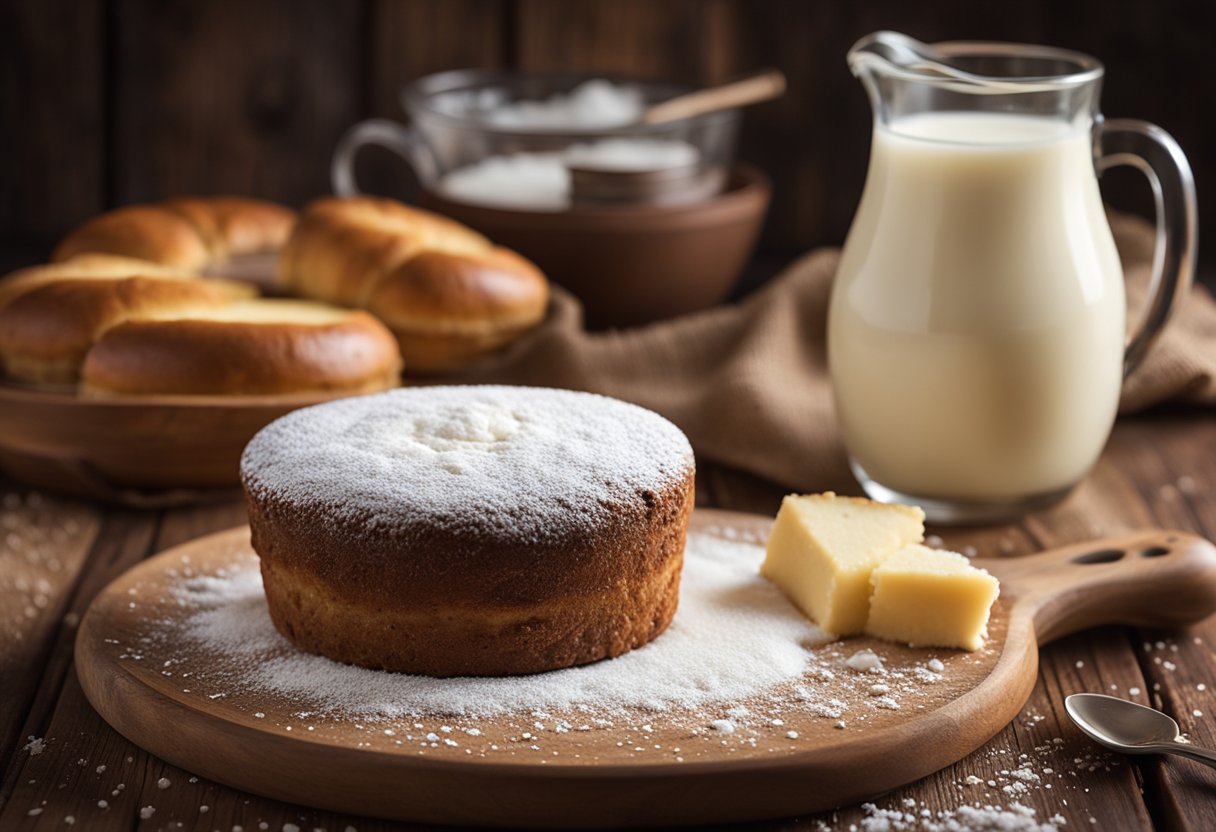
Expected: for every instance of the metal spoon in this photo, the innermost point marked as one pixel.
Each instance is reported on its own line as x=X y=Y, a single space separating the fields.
x=1130 y=728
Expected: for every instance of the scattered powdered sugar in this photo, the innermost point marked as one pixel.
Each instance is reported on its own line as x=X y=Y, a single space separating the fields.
x=1048 y=772
x=865 y=661
x=734 y=635
x=525 y=464
x=966 y=818
x=41 y=540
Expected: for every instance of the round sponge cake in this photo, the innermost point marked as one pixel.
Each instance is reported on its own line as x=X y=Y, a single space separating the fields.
x=484 y=531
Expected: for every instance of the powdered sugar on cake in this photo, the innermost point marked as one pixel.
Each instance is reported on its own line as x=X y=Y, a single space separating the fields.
x=530 y=463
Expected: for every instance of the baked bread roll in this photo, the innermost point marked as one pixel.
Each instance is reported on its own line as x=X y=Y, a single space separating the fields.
x=197 y=234
x=447 y=293
x=252 y=347
x=125 y=300
x=83 y=267
x=46 y=331
x=461 y=531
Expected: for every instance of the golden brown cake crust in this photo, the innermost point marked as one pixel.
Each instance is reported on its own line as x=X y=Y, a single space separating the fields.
x=354 y=353
x=532 y=573
x=499 y=610
x=446 y=292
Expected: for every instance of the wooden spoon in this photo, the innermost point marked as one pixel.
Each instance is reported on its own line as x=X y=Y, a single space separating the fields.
x=750 y=90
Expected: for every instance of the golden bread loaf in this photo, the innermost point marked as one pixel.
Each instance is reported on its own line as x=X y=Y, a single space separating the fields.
x=46 y=331
x=197 y=234
x=82 y=267
x=447 y=293
x=124 y=311
x=251 y=347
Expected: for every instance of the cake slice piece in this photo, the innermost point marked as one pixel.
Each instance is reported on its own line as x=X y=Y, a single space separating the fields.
x=931 y=598
x=823 y=548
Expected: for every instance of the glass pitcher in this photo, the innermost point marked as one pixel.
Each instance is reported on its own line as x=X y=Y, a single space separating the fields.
x=976 y=335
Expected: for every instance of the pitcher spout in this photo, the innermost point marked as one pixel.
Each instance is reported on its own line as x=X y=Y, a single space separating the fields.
x=903 y=76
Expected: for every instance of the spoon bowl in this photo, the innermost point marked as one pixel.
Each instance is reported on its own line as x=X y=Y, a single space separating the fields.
x=1131 y=728
x=1121 y=725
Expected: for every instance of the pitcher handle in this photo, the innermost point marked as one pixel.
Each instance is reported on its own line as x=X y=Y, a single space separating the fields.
x=1154 y=153
x=403 y=141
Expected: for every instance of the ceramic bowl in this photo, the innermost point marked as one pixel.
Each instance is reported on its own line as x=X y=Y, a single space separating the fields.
x=634 y=264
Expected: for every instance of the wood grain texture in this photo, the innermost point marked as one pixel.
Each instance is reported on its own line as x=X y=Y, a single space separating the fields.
x=45 y=545
x=407 y=41
x=142 y=451
x=343 y=764
x=232 y=97
x=417 y=38
x=123 y=540
x=346 y=765
x=1177 y=483
x=626 y=37
x=1159 y=469
x=285 y=79
x=53 y=105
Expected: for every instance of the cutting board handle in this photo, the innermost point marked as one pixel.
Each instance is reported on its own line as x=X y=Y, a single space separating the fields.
x=1156 y=578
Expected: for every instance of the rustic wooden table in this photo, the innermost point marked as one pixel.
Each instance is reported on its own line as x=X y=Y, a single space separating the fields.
x=64 y=767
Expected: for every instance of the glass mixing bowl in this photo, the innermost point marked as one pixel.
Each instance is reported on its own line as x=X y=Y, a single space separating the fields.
x=452 y=128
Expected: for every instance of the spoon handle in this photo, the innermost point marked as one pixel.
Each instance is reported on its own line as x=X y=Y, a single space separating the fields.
x=751 y=90
x=1200 y=755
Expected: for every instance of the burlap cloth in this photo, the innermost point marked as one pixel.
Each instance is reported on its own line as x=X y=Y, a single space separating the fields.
x=749 y=385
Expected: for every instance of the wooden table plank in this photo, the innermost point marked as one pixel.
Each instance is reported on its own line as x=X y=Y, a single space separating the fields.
x=1175 y=467
x=1076 y=779
x=53 y=98
x=43 y=546
x=232 y=97
x=624 y=37
x=1131 y=488
x=407 y=41
x=124 y=538
x=1040 y=760
x=183 y=524
x=88 y=762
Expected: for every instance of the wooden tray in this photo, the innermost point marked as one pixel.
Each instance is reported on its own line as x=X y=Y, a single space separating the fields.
x=150 y=451
x=607 y=777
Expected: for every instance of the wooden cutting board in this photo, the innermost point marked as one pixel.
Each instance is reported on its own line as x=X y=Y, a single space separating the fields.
x=788 y=756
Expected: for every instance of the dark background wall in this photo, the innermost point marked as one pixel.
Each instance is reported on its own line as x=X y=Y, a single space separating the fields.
x=106 y=102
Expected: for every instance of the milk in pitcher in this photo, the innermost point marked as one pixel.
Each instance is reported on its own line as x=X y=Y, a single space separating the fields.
x=977 y=323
